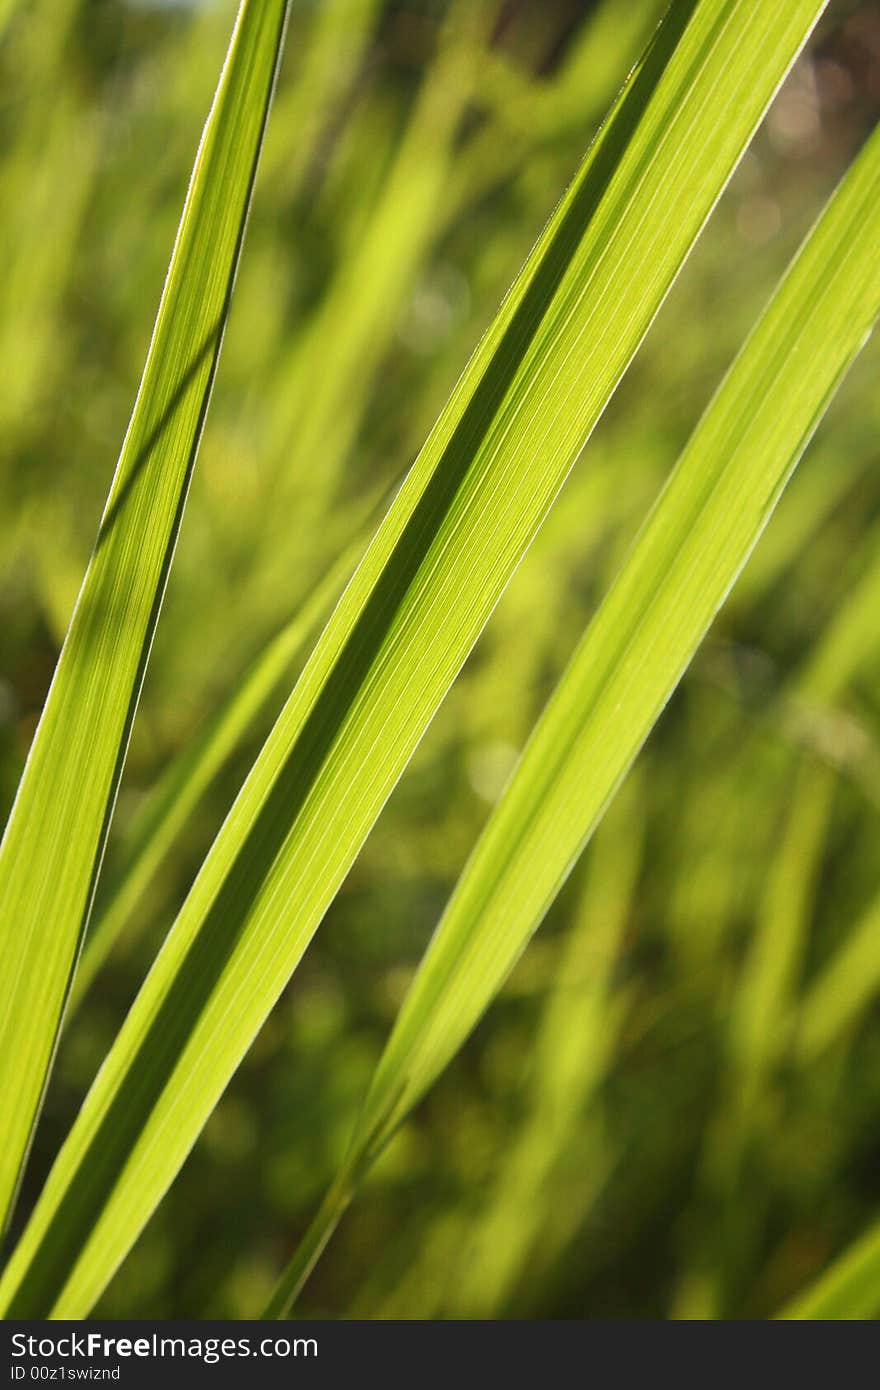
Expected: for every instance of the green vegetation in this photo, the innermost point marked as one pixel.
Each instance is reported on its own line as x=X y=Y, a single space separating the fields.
x=683 y=1058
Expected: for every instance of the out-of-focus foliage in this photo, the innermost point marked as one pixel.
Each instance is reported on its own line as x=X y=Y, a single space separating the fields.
x=414 y=151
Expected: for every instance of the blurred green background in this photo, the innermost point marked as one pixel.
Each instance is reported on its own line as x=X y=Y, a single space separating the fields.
x=674 y=1108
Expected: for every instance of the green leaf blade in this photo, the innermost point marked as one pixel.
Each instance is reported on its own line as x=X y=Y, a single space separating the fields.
x=173 y=799
x=54 y=841
x=468 y=510
x=689 y=553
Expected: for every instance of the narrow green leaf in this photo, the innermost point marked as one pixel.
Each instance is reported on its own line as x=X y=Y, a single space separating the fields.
x=847 y=1292
x=51 y=852
x=693 y=545
x=180 y=789
x=688 y=555
x=470 y=507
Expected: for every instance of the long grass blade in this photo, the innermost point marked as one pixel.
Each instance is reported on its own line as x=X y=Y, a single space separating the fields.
x=471 y=505
x=696 y=540
x=51 y=852
x=169 y=805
